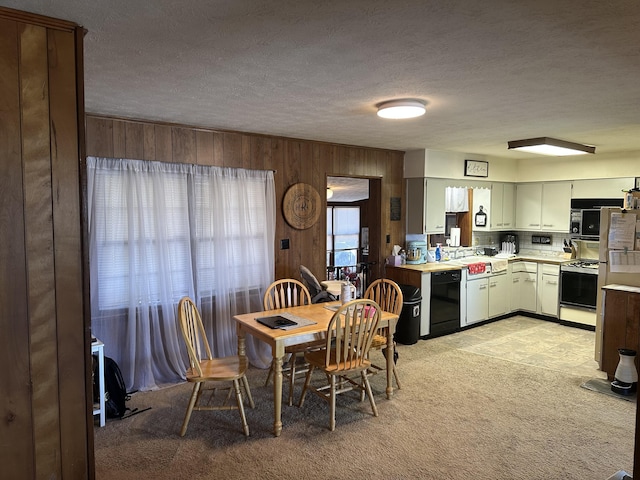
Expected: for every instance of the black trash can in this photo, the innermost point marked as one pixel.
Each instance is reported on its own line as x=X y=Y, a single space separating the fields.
x=408 y=328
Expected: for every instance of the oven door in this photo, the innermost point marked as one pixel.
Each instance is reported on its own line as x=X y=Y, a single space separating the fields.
x=578 y=289
x=590 y=223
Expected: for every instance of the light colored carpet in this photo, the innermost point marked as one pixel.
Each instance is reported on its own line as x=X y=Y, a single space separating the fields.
x=460 y=415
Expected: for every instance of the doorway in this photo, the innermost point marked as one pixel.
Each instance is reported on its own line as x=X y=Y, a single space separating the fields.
x=364 y=194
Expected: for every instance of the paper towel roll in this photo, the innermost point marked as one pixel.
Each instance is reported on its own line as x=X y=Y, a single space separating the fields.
x=455 y=237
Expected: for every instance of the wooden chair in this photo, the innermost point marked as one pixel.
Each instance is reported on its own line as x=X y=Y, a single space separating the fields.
x=204 y=368
x=349 y=337
x=290 y=293
x=388 y=295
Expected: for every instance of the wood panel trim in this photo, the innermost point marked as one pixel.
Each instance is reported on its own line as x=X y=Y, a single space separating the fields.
x=35 y=19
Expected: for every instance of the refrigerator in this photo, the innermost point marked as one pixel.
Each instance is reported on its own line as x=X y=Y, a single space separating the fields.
x=615 y=235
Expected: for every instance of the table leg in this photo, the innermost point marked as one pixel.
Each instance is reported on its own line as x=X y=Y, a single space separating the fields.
x=242 y=352
x=390 y=355
x=277 y=396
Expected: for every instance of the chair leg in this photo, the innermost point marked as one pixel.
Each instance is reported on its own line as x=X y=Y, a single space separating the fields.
x=332 y=404
x=367 y=386
x=306 y=385
x=266 y=383
x=195 y=393
x=247 y=390
x=292 y=375
x=245 y=425
x=395 y=375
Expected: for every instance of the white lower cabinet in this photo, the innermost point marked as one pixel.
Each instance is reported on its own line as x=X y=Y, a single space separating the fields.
x=549 y=289
x=524 y=286
x=498 y=295
x=477 y=300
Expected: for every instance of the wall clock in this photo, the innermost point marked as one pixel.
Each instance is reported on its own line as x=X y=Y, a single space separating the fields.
x=301 y=206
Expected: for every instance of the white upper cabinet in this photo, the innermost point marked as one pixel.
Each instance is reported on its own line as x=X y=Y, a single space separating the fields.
x=529 y=206
x=425 y=205
x=482 y=210
x=543 y=206
x=502 y=206
x=556 y=206
x=602 y=187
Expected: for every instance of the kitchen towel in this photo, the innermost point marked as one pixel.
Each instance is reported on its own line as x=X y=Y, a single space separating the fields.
x=476 y=268
x=499 y=265
x=456 y=199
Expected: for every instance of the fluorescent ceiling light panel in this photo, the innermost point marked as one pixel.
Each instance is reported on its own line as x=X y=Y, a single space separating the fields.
x=550 y=146
x=397 y=109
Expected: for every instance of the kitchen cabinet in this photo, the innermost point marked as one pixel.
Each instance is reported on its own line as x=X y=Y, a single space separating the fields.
x=524 y=286
x=548 y=282
x=477 y=300
x=502 y=206
x=481 y=211
x=556 y=202
x=498 y=295
x=529 y=206
x=543 y=206
x=601 y=187
x=426 y=205
x=620 y=326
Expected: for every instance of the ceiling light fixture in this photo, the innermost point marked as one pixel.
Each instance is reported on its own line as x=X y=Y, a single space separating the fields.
x=396 y=109
x=551 y=146
x=329 y=193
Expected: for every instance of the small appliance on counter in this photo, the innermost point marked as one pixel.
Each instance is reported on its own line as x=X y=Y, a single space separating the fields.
x=416 y=252
x=490 y=251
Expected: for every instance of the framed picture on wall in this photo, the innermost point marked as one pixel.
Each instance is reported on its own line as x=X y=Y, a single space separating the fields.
x=476 y=168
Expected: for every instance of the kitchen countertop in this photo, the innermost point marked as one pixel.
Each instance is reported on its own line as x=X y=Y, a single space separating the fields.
x=455 y=265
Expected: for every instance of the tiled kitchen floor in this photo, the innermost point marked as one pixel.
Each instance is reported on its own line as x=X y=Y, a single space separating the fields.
x=534 y=342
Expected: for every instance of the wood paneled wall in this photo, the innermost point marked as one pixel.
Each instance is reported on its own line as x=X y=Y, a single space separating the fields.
x=46 y=429
x=293 y=161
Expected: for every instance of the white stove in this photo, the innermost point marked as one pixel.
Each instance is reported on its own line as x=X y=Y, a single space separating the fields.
x=578 y=292
x=581 y=266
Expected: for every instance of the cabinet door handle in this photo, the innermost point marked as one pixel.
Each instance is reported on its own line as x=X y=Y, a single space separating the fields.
x=439 y=226
x=552 y=282
x=547 y=224
x=534 y=224
x=482 y=287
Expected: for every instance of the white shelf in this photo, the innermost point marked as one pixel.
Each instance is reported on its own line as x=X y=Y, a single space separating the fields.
x=97 y=347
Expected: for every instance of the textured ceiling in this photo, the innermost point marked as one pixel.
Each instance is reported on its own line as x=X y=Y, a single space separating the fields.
x=491 y=71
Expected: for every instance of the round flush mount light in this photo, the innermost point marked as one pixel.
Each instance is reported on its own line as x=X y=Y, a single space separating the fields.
x=396 y=109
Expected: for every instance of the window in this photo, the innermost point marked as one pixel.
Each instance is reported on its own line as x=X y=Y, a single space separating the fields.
x=168 y=227
x=343 y=237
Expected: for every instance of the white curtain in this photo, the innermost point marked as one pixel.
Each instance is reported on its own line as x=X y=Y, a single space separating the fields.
x=456 y=199
x=160 y=231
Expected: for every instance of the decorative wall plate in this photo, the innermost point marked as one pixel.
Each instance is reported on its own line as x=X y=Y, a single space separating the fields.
x=301 y=206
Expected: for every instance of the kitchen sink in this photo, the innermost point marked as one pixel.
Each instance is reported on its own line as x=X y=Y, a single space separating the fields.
x=468 y=260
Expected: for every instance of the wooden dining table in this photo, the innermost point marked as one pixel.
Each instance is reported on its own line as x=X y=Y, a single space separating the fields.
x=278 y=339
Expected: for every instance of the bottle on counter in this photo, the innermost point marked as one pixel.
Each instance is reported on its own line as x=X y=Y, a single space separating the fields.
x=403 y=257
x=438 y=252
x=345 y=291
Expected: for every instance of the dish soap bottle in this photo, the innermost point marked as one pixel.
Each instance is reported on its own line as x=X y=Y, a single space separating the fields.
x=438 y=252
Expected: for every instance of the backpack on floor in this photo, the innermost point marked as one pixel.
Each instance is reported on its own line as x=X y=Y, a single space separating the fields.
x=115 y=391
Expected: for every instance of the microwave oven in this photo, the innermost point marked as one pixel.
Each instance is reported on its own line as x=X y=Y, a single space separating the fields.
x=585 y=216
x=585 y=223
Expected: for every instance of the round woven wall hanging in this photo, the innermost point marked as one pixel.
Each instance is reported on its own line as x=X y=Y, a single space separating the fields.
x=301 y=206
